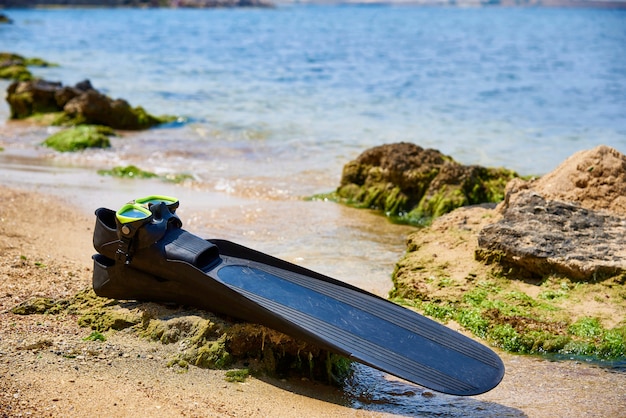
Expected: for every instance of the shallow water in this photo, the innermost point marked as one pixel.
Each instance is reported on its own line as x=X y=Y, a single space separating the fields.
x=273 y=103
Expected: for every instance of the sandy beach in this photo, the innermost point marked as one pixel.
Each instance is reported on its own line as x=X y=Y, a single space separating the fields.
x=49 y=256
x=270 y=105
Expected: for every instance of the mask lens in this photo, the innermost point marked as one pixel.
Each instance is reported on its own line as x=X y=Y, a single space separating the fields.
x=130 y=213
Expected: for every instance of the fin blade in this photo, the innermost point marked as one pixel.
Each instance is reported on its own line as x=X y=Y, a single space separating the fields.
x=368 y=329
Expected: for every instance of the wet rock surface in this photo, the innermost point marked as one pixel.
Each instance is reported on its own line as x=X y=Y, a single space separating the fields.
x=571 y=221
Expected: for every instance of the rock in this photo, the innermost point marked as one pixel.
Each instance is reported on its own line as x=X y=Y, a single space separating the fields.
x=595 y=179
x=14 y=70
x=27 y=98
x=570 y=222
x=5 y=19
x=408 y=181
x=81 y=104
x=92 y=107
x=65 y=94
x=13 y=66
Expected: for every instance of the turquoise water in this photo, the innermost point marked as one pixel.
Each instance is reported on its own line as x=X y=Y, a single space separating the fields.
x=273 y=103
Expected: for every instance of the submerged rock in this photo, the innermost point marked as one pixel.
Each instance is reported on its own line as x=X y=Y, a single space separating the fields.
x=570 y=222
x=81 y=104
x=407 y=181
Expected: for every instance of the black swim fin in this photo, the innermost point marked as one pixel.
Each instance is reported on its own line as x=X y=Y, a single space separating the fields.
x=167 y=264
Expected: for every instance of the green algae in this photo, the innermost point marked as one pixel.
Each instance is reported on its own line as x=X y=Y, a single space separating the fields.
x=80 y=138
x=16 y=72
x=95 y=336
x=129 y=171
x=104 y=319
x=237 y=375
x=205 y=340
x=401 y=207
x=14 y=66
x=38 y=62
x=515 y=321
x=34 y=306
x=134 y=172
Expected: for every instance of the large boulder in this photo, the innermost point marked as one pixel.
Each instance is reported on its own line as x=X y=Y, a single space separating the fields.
x=570 y=222
x=410 y=182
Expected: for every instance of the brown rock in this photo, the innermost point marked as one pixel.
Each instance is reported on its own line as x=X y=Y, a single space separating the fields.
x=30 y=97
x=596 y=179
x=571 y=222
x=81 y=104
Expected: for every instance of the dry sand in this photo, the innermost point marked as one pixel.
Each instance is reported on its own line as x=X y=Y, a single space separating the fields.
x=45 y=250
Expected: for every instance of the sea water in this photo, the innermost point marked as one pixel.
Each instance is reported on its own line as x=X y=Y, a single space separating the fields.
x=271 y=103
x=299 y=91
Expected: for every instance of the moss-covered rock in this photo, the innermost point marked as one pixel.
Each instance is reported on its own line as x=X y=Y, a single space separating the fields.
x=14 y=66
x=93 y=107
x=414 y=184
x=34 y=306
x=27 y=98
x=79 y=138
x=77 y=105
x=204 y=340
x=15 y=72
